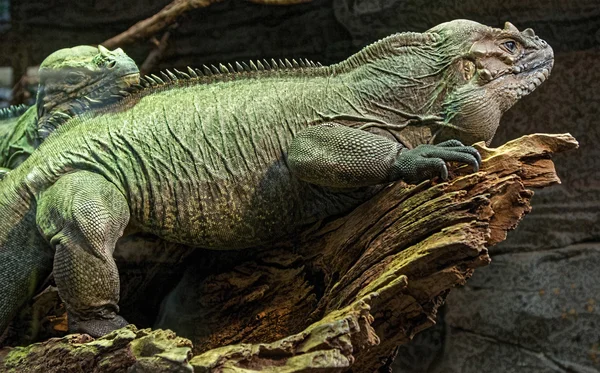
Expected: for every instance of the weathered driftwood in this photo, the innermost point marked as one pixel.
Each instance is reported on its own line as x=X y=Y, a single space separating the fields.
x=341 y=296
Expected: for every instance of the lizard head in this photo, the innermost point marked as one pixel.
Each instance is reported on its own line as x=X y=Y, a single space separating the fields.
x=82 y=74
x=492 y=70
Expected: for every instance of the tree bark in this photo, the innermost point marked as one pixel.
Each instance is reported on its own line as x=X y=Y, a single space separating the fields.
x=386 y=268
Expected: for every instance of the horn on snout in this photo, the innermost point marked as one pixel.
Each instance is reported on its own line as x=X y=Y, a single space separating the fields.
x=510 y=27
x=103 y=51
x=528 y=32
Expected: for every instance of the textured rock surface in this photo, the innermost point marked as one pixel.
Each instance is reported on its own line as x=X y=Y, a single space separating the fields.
x=545 y=315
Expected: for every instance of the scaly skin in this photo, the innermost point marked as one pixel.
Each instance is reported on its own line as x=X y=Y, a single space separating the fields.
x=8 y=120
x=66 y=76
x=240 y=159
x=9 y=117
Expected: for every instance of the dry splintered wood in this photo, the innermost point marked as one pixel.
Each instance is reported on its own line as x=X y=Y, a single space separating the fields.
x=387 y=267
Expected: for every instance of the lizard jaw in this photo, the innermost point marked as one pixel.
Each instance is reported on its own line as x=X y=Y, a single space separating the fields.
x=531 y=84
x=529 y=78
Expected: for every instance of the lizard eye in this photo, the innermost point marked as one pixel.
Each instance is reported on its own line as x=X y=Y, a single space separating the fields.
x=73 y=78
x=510 y=46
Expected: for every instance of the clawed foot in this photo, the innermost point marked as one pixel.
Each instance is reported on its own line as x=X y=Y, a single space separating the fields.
x=95 y=327
x=428 y=161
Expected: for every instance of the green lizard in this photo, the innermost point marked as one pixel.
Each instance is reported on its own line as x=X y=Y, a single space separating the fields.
x=71 y=80
x=233 y=157
x=9 y=117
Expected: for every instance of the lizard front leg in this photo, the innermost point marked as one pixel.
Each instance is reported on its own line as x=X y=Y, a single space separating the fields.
x=83 y=215
x=339 y=156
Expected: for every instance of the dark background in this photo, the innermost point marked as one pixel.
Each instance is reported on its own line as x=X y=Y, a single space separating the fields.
x=536 y=308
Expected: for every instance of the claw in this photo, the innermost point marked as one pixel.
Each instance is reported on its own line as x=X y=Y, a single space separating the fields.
x=96 y=327
x=427 y=161
x=479 y=161
x=444 y=173
x=477 y=157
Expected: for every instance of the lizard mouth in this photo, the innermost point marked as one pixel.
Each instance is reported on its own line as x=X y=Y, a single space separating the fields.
x=530 y=77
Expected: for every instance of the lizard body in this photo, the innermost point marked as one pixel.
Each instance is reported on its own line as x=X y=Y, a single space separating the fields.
x=230 y=158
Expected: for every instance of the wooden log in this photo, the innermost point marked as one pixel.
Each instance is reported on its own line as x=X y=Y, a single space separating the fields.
x=385 y=269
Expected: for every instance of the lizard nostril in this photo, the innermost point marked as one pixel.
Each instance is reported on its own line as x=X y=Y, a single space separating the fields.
x=112 y=64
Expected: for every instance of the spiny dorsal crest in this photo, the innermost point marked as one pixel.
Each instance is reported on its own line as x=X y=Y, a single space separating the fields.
x=212 y=73
x=168 y=78
x=13 y=111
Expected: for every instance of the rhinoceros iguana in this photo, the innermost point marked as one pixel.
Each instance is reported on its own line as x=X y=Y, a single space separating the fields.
x=230 y=157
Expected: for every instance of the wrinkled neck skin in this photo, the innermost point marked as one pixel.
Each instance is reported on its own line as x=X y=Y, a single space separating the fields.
x=399 y=78
x=471 y=114
x=96 y=92
x=453 y=82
